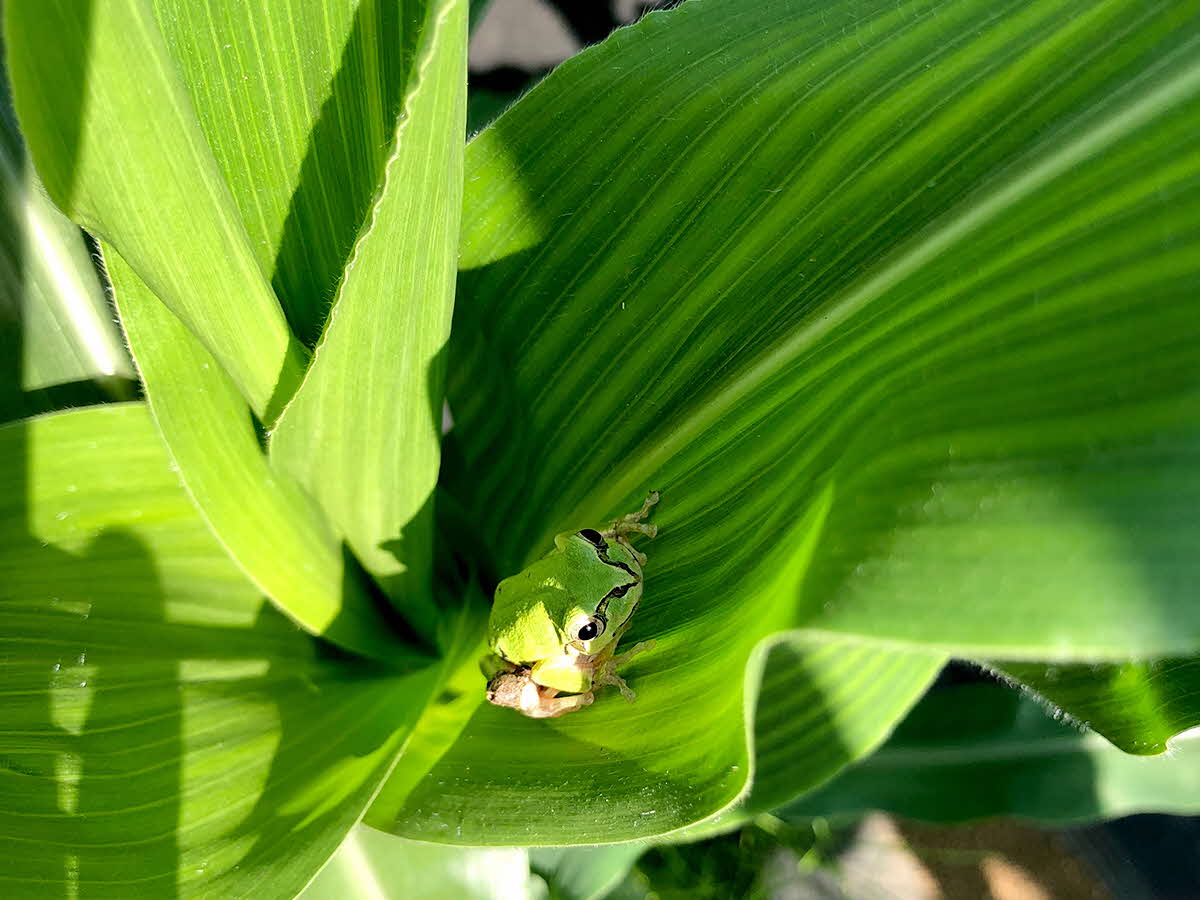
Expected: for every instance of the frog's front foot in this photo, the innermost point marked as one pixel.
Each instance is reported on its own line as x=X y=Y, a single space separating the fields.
x=610 y=677
x=516 y=690
x=607 y=673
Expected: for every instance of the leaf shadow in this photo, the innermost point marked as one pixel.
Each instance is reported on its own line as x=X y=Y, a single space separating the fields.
x=92 y=773
x=318 y=232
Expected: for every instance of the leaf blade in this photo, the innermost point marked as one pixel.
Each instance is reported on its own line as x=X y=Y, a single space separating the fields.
x=363 y=431
x=1138 y=707
x=976 y=751
x=270 y=528
x=163 y=728
x=86 y=114
x=372 y=865
x=55 y=325
x=298 y=101
x=892 y=355
x=890 y=305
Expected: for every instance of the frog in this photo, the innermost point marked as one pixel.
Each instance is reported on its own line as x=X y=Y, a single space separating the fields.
x=555 y=625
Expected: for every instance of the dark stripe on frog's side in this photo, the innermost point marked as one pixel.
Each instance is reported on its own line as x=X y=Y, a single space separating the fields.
x=620 y=590
x=602 y=555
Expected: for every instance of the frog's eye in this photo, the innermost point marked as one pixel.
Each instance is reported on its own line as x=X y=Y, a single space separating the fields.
x=592 y=536
x=589 y=628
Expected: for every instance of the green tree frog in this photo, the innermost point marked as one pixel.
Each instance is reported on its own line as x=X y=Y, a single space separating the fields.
x=554 y=627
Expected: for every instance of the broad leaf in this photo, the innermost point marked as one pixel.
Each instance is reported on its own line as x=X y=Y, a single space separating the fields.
x=56 y=328
x=363 y=431
x=165 y=731
x=584 y=873
x=980 y=750
x=821 y=705
x=911 y=268
x=892 y=305
x=298 y=100
x=458 y=695
x=372 y=865
x=670 y=758
x=1139 y=707
x=113 y=133
x=269 y=526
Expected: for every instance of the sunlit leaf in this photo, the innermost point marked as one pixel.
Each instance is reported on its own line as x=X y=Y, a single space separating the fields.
x=298 y=100
x=372 y=865
x=163 y=730
x=113 y=133
x=268 y=525
x=363 y=431
x=55 y=327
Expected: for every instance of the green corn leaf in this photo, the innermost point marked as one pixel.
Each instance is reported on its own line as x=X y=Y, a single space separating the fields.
x=821 y=705
x=584 y=873
x=997 y=407
x=363 y=431
x=672 y=757
x=441 y=724
x=269 y=526
x=1138 y=706
x=163 y=730
x=980 y=750
x=298 y=100
x=372 y=865
x=896 y=310
x=113 y=133
x=56 y=329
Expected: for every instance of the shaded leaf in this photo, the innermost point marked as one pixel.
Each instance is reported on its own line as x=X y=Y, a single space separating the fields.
x=584 y=873
x=267 y=524
x=893 y=307
x=946 y=282
x=113 y=133
x=670 y=758
x=1139 y=707
x=165 y=731
x=821 y=705
x=980 y=750
x=362 y=433
x=459 y=692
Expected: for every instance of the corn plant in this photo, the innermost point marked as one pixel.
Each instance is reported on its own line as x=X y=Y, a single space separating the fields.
x=894 y=303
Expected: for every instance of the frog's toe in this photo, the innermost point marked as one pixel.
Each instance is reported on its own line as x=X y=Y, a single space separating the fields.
x=610 y=677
